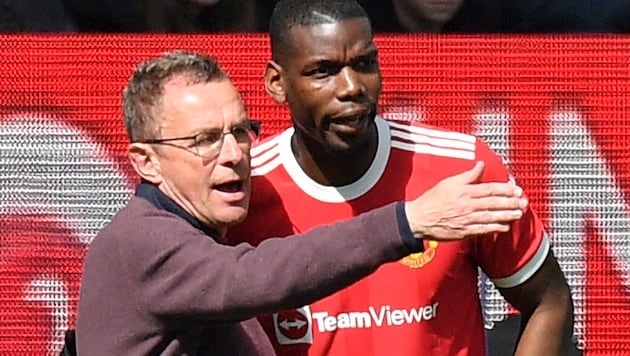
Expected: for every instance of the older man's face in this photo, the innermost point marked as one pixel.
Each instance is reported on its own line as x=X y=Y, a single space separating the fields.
x=215 y=189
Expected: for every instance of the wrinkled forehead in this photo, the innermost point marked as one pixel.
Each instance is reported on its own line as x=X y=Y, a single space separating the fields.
x=200 y=106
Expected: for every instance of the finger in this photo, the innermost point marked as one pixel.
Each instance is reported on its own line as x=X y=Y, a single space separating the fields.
x=495 y=189
x=471 y=176
x=493 y=203
x=493 y=217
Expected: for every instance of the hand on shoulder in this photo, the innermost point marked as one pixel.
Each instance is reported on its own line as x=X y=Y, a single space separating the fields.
x=459 y=207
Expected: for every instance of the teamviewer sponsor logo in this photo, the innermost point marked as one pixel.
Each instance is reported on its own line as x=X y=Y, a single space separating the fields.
x=385 y=316
x=294 y=326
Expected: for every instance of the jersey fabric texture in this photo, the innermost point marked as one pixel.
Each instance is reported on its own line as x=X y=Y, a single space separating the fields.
x=424 y=304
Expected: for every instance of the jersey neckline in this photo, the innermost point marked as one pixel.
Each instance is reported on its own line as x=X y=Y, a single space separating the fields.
x=330 y=194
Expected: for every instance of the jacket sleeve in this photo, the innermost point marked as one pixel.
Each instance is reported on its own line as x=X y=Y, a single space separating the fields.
x=185 y=274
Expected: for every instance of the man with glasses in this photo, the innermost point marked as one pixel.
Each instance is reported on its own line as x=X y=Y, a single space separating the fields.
x=159 y=280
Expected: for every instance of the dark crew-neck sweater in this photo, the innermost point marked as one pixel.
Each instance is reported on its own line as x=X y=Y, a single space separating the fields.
x=157 y=282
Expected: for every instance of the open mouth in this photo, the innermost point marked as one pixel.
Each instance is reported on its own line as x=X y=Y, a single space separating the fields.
x=354 y=120
x=350 y=124
x=230 y=187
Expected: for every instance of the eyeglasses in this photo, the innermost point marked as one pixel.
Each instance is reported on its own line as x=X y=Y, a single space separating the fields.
x=207 y=144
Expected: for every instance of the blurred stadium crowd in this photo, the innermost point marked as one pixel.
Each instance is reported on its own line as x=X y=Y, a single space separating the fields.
x=398 y=16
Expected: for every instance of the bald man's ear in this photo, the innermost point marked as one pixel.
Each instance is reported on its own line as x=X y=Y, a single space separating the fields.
x=145 y=162
x=274 y=82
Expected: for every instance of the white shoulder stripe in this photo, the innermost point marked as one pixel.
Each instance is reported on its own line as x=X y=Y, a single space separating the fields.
x=266 y=156
x=266 y=145
x=267 y=167
x=432 y=150
x=449 y=135
x=440 y=142
x=528 y=270
x=269 y=149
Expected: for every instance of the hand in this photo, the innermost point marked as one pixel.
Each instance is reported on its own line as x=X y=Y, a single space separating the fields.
x=458 y=207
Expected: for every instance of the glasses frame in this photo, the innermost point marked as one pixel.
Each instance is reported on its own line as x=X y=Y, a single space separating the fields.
x=252 y=126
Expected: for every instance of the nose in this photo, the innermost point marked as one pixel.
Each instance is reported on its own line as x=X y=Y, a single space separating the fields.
x=231 y=152
x=349 y=83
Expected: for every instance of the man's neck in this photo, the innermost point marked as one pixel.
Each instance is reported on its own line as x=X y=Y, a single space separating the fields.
x=333 y=168
x=154 y=195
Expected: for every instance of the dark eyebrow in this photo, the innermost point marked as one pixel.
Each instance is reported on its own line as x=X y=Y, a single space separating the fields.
x=370 y=52
x=321 y=62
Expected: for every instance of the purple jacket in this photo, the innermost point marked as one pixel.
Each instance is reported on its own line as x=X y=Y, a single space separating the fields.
x=156 y=283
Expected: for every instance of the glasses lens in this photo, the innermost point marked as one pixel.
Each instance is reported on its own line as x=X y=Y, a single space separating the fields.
x=245 y=134
x=209 y=143
x=255 y=128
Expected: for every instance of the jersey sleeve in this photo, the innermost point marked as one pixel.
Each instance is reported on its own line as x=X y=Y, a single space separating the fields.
x=510 y=258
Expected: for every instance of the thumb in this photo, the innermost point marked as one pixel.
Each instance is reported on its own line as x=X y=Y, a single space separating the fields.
x=473 y=175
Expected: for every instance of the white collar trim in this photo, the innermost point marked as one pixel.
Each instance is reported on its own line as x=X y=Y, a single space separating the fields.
x=340 y=194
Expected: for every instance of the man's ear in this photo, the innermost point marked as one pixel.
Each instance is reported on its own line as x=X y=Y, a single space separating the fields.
x=145 y=162
x=274 y=82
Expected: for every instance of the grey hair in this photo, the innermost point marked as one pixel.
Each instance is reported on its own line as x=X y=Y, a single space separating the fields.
x=143 y=95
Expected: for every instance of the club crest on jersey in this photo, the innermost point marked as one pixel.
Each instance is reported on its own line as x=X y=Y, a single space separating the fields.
x=419 y=260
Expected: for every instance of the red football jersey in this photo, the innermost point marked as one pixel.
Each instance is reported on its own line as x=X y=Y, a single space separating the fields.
x=424 y=304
